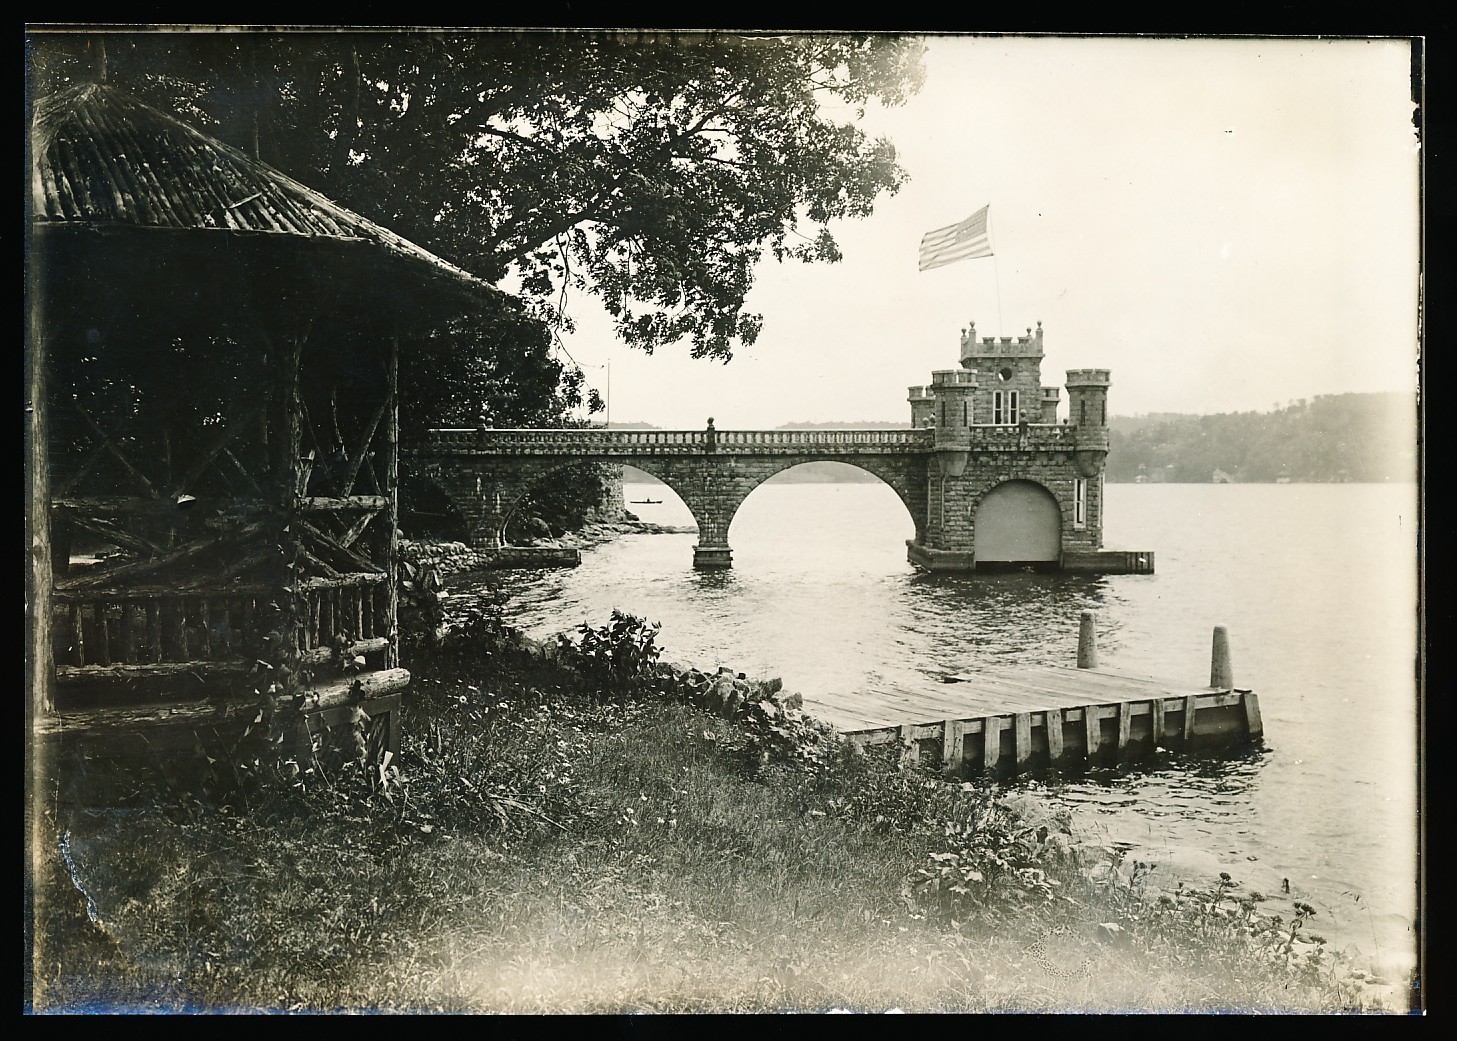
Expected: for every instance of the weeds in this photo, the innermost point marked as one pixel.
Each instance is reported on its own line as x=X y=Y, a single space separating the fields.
x=668 y=841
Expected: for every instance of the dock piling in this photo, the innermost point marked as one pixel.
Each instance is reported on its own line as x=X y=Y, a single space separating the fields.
x=1053 y=722
x=1221 y=672
x=991 y=738
x=1087 y=643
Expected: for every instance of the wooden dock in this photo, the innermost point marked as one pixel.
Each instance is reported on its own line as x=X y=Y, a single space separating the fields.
x=1012 y=721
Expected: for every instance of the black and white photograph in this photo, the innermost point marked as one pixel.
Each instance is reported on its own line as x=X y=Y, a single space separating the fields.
x=631 y=521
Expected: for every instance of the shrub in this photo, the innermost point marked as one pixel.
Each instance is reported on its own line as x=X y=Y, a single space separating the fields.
x=992 y=862
x=618 y=658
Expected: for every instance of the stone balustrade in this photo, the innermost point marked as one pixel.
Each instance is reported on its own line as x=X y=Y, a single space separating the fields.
x=556 y=441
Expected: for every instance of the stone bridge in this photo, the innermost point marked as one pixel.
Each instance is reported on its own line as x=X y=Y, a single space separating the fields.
x=1035 y=489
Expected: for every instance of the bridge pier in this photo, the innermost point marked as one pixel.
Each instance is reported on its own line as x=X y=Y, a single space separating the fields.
x=486 y=538
x=712 y=558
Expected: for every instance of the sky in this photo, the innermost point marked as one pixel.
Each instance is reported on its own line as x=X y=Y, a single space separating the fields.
x=1227 y=225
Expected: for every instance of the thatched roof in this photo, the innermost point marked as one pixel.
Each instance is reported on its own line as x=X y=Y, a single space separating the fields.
x=103 y=160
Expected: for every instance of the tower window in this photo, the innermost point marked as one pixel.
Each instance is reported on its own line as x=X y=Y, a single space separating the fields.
x=1080 y=502
x=1004 y=407
x=1083 y=412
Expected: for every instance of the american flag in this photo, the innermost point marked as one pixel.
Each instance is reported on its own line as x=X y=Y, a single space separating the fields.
x=964 y=241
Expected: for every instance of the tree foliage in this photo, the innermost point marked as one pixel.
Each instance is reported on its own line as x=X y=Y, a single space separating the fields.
x=654 y=170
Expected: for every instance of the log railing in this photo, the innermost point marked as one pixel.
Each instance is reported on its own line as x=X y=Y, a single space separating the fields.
x=140 y=632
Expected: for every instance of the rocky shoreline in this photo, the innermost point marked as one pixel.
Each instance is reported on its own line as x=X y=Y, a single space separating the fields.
x=447 y=558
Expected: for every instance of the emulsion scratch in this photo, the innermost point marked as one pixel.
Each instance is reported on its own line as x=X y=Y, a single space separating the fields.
x=75 y=876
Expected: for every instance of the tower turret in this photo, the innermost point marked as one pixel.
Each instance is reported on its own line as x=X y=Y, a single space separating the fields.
x=1009 y=374
x=923 y=406
x=1087 y=397
x=1050 y=398
x=953 y=391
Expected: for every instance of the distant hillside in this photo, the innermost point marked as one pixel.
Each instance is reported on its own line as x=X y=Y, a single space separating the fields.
x=1334 y=437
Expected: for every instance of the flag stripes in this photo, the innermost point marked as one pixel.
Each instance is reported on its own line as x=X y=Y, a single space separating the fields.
x=963 y=241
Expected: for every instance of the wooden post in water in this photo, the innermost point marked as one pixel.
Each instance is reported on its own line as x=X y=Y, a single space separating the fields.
x=1221 y=672
x=1087 y=643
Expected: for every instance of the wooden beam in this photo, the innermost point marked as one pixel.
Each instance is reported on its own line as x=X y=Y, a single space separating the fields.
x=1053 y=722
x=953 y=745
x=117 y=535
x=364 y=578
x=910 y=750
x=351 y=536
x=100 y=505
x=326 y=541
x=153 y=670
x=1125 y=726
x=1091 y=736
x=1189 y=703
x=142 y=567
x=1022 y=740
x=215 y=446
x=106 y=442
x=352 y=474
x=114 y=718
x=1157 y=705
x=1253 y=724
x=339 y=504
x=228 y=454
x=991 y=743
x=392 y=490
x=324 y=655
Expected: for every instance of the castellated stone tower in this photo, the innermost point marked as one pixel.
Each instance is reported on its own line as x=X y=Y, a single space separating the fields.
x=1087 y=397
x=1009 y=377
x=923 y=407
x=953 y=391
x=1050 y=397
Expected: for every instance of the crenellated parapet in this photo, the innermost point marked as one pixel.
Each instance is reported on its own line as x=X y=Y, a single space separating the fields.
x=990 y=347
x=1049 y=402
x=923 y=406
x=1087 y=397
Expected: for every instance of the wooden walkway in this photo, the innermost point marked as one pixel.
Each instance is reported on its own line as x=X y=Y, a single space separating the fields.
x=1014 y=720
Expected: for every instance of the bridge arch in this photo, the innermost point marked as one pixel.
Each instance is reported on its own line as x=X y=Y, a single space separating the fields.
x=429 y=508
x=895 y=480
x=1017 y=522
x=517 y=493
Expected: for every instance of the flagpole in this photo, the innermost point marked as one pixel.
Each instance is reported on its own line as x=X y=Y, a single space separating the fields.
x=996 y=272
x=964 y=240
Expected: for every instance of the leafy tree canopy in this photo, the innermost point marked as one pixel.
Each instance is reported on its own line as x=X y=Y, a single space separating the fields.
x=652 y=170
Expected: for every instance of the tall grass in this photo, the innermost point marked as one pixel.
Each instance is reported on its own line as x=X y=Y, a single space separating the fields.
x=545 y=848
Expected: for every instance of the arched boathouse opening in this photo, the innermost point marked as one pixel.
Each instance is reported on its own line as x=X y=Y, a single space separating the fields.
x=1017 y=524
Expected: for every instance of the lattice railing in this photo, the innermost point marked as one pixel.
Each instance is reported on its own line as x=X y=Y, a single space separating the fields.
x=158 y=632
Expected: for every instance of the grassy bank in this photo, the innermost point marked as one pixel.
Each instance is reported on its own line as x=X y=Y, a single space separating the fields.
x=575 y=835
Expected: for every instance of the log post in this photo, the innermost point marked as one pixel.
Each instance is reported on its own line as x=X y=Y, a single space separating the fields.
x=1221 y=672
x=392 y=492
x=1087 y=643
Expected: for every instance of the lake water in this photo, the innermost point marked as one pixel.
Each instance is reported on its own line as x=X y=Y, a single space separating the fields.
x=1315 y=583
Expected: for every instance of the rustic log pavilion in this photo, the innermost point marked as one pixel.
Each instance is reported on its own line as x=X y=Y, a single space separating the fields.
x=213 y=371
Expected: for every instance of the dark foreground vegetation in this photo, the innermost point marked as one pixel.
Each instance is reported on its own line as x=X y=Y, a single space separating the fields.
x=579 y=827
